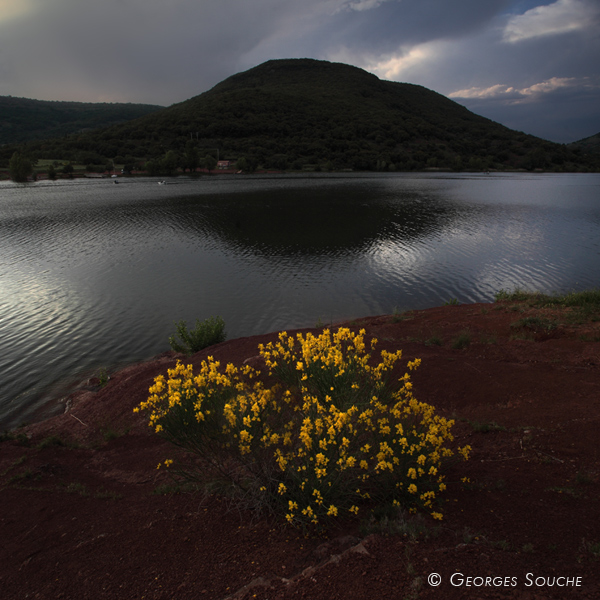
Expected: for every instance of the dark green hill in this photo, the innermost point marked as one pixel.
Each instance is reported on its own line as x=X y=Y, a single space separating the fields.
x=22 y=119
x=589 y=144
x=299 y=112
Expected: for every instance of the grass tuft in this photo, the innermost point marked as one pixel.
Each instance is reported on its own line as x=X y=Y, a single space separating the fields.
x=434 y=340
x=78 y=488
x=586 y=298
x=401 y=315
x=486 y=427
x=534 y=324
x=390 y=520
x=50 y=441
x=462 y=341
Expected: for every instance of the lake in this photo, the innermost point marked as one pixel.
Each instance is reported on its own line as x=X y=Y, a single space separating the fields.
x=93 y=275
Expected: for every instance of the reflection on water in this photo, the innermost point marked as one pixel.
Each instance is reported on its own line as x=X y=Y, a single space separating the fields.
x=94 y=275
x=319 y=222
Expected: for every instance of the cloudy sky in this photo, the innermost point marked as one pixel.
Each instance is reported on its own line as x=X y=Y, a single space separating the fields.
x=532 y=65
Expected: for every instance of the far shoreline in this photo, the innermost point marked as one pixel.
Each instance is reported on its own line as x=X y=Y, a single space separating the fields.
x=200 y=173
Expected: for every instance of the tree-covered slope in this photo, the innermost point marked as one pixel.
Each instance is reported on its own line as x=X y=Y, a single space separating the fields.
x=589 y=144
x=22 y=119
x=297 y=112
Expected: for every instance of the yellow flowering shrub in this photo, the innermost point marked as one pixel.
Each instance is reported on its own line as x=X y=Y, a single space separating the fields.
x=328 y=435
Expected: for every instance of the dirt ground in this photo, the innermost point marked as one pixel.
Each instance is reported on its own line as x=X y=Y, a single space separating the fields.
x=85 y=514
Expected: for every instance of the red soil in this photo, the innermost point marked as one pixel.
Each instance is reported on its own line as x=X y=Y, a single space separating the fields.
x=85 y=522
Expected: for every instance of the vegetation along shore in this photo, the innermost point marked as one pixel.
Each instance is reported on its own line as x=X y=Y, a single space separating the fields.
x=86 y=513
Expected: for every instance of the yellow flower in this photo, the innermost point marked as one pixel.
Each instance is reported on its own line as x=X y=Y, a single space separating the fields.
x=465 y=450
x=321 y=459
x=245 y=436
x=332 y=511
x=282 y=489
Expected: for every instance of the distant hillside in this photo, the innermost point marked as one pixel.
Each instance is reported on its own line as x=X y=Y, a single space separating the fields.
x=303 y=113
x=589 y=144
x=22 y=119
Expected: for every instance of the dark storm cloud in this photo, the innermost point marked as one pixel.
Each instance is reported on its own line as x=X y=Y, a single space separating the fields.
x=377 y=27
x=412 y=22
x=150 y=51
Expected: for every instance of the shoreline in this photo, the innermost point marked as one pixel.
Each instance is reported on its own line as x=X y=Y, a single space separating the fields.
x=53 y=406
x=247 y=345
x=204 y=173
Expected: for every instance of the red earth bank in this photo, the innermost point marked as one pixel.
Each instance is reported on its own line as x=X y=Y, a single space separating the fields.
x=83 y=520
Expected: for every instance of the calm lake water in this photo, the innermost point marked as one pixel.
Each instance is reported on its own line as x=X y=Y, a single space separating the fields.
x=94 y=274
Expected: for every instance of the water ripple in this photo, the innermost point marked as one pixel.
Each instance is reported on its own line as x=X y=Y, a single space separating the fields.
x=94 y=275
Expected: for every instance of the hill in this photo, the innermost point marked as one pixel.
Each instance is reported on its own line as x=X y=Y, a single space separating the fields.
x=22 y=119
x=589 y=144
x=304 y=113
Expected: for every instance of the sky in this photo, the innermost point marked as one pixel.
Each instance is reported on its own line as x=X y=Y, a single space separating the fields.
x=532 y=65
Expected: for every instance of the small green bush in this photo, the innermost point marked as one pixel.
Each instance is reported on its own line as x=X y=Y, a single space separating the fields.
x=207 y=333
x=102 y=376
